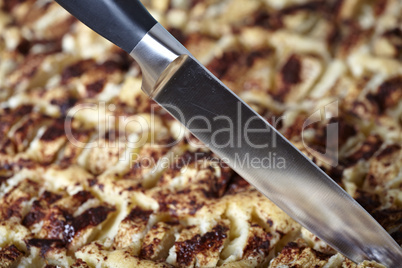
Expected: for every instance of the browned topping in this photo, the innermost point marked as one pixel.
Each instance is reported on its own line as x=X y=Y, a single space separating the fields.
x=23 y=131
x=346 y=130
x=7 y=147
x=388 y=218
x=389 y=94
x=29 y=67
x=291 y=70
x=266 y=20
x=58 y=29
x=79 y=263
x=333 y=38
x=66 y=162
x=10 y=4
x=290 y=75
x=135 y=171
x=395 y=37
x=38 y=208
x=64 y=104
x=4 y=179
x=9 y=255
x=389 y=150
x=95 y=88
x=51 y=46
x=366 y=151
x=5 y=125
x=219 y=66
x=258 y=244
x=35 y=215
x=76 y=69
x=111 y=135
x=138 y=214
x=54 y=131
x=11 y=202
x=71 y=152
x=337 y=7
x=292 y=245
x=24 y=163
x=178 y=34
x=321 y=256
x=293 y=250
x=396 y=32
x=92 y=182
x=270 y=222
x=232 y=65
x=371 y=180
x=289 y=252
x=380 y=6
x=210 y=241
x=194 y=206
x=368 y=201
x=335 y=173
x=57 y=221
x=23 y=110
x=24 y=46
x=111 y=66
x=296 y=128
x=45 y=244
x=219 y=184
x=274 y=20
x=397 y=235
x=237 y=184
x=345 y=35
x=82 y=196
x=27 y=130
x=196 y=2
x=91 y=217
x=121 y=61
x=148 y=250
x=309 y=6
x=178 y=202
x=255 y=55
x=61 y=226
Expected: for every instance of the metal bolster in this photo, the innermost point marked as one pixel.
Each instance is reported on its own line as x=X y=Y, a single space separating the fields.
x=154 y=53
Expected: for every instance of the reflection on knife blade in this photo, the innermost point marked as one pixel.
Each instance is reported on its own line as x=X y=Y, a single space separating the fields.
x=301 y=189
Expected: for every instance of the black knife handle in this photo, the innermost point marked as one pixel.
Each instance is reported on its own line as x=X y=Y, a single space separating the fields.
x=123 y=22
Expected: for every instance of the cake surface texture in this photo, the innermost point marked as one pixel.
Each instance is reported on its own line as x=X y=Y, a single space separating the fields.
x=95 y=174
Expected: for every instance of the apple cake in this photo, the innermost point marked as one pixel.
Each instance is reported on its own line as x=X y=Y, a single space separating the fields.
x=95 y=174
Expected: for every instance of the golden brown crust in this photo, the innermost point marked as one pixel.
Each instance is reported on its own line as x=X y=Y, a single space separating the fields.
x=10 y=256
x=137 y=197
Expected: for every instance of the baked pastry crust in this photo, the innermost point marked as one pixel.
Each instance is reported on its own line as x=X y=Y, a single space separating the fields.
x=137 y=198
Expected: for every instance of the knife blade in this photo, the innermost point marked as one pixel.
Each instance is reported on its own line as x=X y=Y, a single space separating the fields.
x=232 y=130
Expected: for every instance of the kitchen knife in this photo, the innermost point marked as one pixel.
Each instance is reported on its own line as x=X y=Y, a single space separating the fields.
x=232 y=130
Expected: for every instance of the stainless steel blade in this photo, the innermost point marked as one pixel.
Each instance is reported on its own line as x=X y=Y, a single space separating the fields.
x=207 y=107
